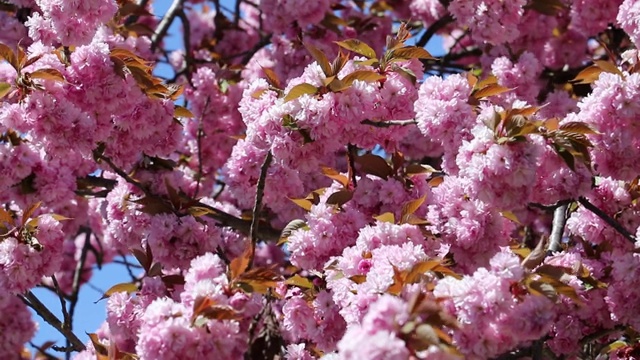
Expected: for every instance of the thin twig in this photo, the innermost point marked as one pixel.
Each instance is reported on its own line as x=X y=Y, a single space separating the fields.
x=128 y=266
x=257 y=206
x=389 y=123
x=33 y=302
x=351 y=158
x=42 y=352
x=236 y=15
x=165 y=23
x=63 y=304
x=608 y=219
x=557 y=229
x=433 y=29
x=76 y=280
x=264 y=41
x=223 y=217
x=123 y=174
x=200 y=134
x=186 y=36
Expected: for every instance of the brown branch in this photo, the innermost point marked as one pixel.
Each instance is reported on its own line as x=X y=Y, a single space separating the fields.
x=78 y=273
x=33 y=302
x=186 y=36
x=433 y=29
x=351 y=157
x=199 y=141
x=257 y=205
x=606 y=218
x=388 y=123
x=224 y=218
x=557 y=229
x=166 y=21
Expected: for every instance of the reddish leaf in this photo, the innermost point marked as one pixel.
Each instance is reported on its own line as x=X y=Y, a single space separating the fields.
x=272 y=78
x=240 y=264
x=490 y=90
x=180 y=111
x=101 y=351
x=412 y=52
x=6 y=218
x=142 y=258
x=258 y=280
x=47 y=74
x=588 y=75
x=335 y=175
x=320 y=58
x=578 y=128
x=340 y=197
x=547 y=7
x=411 y=207
x=536 y=257
x=303 y=203
x=374 y=165
x=608 y=66
x=8 y=54
x=30 y=211
x=358 y=279
x=32 y=60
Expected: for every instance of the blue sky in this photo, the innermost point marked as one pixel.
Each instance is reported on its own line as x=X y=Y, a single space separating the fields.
x=89 y=314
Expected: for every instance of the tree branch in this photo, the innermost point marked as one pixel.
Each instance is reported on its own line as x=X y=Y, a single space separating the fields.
x=33 y=302
x=389 y=123
x=433 y=29
x=557 y=229
x=199 y=141
x=255 y=218
x=608 y=219
x=166 y=21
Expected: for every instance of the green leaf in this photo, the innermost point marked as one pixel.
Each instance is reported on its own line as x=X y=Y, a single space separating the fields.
x=5 y=88
x=292 y=226
x=122 y=287
x=363 y=75
x=299 y=281
x=299 y=90
x=387 y=217
x=358 y=46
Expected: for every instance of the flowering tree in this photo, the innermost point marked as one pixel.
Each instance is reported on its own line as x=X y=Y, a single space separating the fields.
x=310 y=182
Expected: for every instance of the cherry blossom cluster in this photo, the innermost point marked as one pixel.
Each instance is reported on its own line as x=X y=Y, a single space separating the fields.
x=304 y=180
